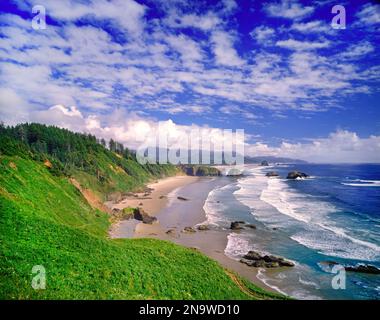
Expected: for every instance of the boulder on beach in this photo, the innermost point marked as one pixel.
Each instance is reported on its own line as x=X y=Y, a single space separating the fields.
x=171 y=232
x=182 y=198
x=296 y=175
x=257 y=260
x=272 y=174
x=141 y=215
x=188 y=230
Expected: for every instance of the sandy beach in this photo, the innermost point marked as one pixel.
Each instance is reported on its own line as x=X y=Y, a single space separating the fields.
x=174 y=214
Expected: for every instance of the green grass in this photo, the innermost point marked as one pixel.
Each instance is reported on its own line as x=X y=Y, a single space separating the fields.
x=44 y=220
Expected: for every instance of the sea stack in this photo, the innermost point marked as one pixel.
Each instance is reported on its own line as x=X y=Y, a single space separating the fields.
x=296 y=175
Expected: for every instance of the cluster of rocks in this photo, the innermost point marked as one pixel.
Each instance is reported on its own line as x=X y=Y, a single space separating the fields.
x=188 y=230
x=257 y=260
x=360 y=268
x=296 y=175
x=363 y=268
x=293 y=175
x=238 y=225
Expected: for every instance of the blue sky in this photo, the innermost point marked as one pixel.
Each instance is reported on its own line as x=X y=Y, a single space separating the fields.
x=276 y=69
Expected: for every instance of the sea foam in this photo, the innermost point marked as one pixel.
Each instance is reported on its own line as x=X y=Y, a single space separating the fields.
x=312 y=217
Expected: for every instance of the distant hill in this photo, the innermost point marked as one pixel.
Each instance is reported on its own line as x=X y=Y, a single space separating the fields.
x=271 y=159
x=218 y=158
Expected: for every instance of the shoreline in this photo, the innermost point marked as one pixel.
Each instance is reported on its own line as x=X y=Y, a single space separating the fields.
x=174 y=215
x=152 y=201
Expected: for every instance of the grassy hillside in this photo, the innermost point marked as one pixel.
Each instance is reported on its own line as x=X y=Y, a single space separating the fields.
x=44 y=220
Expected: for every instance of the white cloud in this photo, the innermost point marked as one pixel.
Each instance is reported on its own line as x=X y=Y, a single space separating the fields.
x=124 y=127
x=85 y=66
x=206 y=22
x=189 y=50
x=127 y=13
x=13 y=108
x=225 y=53
x=229 y=6
x=288 y=9
x=358 y=50
x=132 y=130
x=369 y=14
x=316 y=26
x=263 y=34
x=301 y=45
x=341 y=146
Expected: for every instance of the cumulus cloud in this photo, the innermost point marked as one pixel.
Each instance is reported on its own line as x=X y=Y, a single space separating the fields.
x=358 y=50
x=206 y=22
x=128 y=128
x=127 y=13
x=317 y=26
x=341 y=146
x=301 y=45
x=181 y=61
x=134 y=131
x=225 y=53
x=288 y=9
x=263 y=34
x=369 y=14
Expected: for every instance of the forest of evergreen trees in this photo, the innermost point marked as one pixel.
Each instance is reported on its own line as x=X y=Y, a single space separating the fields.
x=66 y=150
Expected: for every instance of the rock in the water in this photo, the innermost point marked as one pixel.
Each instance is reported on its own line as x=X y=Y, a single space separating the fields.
x=203 y=227
x=252 y=226
x=255 y=259
x=296 y=175
x=188 y=230
x=236 y=225
x=140 y=214
x=182 y=198
x=272 y=174
x=363 y=268
x=253 y=255
x=264 y=163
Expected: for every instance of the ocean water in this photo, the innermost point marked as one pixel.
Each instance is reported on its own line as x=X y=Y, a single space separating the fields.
x=334 y=215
